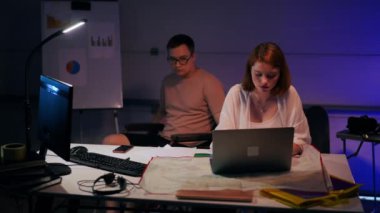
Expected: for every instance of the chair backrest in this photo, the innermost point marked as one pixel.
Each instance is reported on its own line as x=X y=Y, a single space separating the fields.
x=115 y=139
x=146 y=128
x=318 y=121
x=201 y=140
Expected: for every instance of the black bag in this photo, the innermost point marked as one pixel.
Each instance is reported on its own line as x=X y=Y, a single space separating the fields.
x=362 y=125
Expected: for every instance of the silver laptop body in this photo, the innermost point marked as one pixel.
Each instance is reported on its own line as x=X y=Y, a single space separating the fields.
x=252 y=150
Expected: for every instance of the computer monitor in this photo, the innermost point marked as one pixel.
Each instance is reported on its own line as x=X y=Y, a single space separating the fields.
x=54 y=120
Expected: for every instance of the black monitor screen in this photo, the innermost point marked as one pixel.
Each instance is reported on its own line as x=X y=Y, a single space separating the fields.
x=54 y=116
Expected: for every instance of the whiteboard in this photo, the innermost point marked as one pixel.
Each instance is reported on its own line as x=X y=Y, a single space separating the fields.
x=88 y=57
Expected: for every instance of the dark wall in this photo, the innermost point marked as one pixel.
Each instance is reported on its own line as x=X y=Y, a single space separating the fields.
x=21 y=32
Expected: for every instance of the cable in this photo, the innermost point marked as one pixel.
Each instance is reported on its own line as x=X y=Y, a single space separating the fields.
x=98 y=185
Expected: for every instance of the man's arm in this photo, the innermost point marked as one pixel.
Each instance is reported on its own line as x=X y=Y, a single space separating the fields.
x=215 y=95
x=159 y=116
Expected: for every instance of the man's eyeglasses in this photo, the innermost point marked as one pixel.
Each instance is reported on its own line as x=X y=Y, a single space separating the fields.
x=181 y=60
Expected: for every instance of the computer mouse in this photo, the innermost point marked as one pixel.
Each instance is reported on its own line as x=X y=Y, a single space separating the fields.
x=77 y=150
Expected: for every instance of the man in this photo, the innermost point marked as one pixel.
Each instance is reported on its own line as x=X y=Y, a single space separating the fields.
x=191 y=98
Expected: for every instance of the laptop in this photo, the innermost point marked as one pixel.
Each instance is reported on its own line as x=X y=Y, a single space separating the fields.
x=239 y=151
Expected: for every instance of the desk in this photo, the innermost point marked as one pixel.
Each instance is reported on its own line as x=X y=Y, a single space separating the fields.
x=373 y=139
x=336 y=164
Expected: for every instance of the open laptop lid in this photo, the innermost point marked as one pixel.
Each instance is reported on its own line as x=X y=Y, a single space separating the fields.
x=252 y=150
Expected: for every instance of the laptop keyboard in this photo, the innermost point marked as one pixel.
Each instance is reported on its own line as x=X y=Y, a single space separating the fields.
x=105 y=162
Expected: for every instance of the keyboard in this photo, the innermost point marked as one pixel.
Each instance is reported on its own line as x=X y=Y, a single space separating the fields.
x=81 y=156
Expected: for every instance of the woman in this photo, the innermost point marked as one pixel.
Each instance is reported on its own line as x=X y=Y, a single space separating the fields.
x=266 y=98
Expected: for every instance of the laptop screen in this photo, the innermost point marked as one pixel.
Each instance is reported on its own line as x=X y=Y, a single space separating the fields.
x=252 y=150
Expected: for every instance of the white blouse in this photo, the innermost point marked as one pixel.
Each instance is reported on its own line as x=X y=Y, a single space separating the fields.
x=236 y=114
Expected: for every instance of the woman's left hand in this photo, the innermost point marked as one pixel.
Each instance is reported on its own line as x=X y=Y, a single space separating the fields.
x=297 y=150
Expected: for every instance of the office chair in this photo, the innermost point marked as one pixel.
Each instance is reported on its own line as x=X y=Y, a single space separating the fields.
x=318 y=121
x=115 y=139
x=316 y=115
x=144 y=128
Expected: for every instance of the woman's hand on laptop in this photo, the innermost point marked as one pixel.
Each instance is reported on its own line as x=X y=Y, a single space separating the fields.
x=297 y=149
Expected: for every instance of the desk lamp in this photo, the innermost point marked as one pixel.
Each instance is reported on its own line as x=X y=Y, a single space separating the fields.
x=27 y=66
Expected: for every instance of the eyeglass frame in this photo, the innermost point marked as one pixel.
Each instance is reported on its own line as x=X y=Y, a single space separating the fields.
x=180 y=60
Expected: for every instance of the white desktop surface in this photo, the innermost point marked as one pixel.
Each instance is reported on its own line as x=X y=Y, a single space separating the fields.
x=336 y=164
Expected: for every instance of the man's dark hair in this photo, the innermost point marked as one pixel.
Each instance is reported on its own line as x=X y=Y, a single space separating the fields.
x=180 y=39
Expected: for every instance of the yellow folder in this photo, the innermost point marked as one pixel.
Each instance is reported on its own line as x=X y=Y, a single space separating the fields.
x=303 y=199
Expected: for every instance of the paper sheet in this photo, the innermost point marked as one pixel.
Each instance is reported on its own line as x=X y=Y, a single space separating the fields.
x=146 y=154
x=166 y=175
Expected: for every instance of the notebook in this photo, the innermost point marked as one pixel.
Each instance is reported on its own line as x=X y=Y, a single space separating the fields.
x=240 y=151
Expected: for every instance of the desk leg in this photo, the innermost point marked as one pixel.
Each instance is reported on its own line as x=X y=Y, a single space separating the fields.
x=374 y=173
x=344 y=146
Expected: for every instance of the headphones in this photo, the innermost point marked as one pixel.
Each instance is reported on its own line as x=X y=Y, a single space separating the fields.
x=109 y=178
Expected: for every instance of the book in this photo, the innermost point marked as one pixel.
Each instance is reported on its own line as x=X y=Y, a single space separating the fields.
x=219 y=195
x=44 y=183
x=4 y=168
x=341 y=189
x=29 y=179
x=31 y=185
